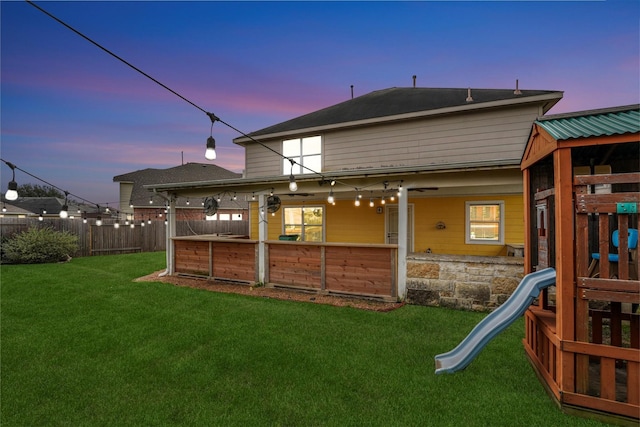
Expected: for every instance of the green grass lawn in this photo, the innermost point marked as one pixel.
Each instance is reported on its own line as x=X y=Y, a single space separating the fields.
x=84 y=345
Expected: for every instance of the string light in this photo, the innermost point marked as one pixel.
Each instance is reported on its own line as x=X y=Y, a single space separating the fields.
x=65 y=208
x=210 y=146
x=12 y=187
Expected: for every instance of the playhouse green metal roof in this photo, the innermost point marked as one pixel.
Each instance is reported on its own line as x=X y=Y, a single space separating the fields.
x=582 y=124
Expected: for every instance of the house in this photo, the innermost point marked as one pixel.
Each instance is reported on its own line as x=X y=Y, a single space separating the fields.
x=44 y=207
x=582 y=195
x=380 y=177
x=138 y=203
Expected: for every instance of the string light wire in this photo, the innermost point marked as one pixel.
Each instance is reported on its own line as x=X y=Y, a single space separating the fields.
x=212 y=116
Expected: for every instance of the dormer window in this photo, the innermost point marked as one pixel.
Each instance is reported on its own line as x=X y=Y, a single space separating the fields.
x=303 y=151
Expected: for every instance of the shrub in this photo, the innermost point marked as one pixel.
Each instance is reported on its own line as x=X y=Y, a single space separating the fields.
x=40 y=245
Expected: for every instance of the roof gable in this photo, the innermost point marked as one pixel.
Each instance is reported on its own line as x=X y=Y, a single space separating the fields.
x=392 y=102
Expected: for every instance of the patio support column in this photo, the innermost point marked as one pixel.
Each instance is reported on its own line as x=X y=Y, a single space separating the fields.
x=170 y=232
x=403 y=218
x=263 y=227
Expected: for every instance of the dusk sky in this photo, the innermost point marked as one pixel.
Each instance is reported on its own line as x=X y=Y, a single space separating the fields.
x=76 y=117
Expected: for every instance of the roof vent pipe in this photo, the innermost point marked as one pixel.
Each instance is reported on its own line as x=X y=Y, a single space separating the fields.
x=414 y=80
x=469 y=98
x=351 y=91
x=517 y=91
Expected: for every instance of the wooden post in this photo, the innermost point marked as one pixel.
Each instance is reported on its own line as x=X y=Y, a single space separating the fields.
x=526 y=193
x=403 y=218
x=263 y=232
x=565 y=283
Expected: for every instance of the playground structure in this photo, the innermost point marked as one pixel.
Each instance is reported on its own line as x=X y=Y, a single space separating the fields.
x=529 y=289
x=582 y=193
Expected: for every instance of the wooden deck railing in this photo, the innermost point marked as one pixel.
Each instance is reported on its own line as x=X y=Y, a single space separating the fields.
x=344 y=268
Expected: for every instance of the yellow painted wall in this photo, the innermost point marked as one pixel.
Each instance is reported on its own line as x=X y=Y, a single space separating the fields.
x=451 y=211
x=345 y=222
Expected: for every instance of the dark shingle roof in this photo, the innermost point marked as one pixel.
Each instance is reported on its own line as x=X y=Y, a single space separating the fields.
x=397 y=101
x=190 y=172
x=582 y=124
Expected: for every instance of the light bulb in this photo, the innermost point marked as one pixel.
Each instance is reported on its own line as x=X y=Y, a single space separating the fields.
x=64 y=211
x=12 y=191
x=117 y=224
x=357 y=202
x=330 y=199
x=371 y=202
x=99 y=221
x=292 y=183
x=210 y=153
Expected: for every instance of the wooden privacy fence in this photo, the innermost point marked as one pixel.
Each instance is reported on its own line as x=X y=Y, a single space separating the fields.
x=107 y=239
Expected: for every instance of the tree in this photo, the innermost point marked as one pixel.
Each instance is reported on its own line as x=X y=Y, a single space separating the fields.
x=35 y=190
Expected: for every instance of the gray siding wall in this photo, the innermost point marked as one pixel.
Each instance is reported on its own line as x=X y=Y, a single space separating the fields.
x=499 y=134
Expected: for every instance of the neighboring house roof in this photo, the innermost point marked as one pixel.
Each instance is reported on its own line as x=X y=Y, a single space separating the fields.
x=52 y=205
x=189 y=172
x=582 y=124
x=12 y=209
x=392 y=102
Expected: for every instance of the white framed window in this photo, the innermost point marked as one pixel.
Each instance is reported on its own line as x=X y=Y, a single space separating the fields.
x=484 y=222
x=304 y=221
x=236 y=217
x=224 y=217
x=213 y=217
x=303 y=151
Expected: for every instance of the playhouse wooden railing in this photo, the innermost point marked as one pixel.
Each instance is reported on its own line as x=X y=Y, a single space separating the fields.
x=607 y=325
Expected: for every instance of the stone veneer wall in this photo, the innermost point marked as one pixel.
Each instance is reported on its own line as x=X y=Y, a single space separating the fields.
x=477 y=283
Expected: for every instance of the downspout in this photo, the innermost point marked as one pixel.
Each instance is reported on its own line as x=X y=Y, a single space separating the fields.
x=169 y=233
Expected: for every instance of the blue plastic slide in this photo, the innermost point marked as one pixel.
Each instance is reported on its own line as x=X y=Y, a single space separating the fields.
x=528 y=289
